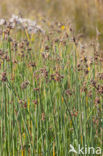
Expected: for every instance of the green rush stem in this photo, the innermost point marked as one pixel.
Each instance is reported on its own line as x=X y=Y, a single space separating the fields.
x=66 y=104
x=5 y=117
x=9 y=47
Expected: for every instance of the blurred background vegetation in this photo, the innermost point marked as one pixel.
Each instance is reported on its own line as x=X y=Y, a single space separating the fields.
x=87 y=15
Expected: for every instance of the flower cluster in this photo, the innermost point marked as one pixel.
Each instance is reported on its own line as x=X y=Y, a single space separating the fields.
x=22 y=23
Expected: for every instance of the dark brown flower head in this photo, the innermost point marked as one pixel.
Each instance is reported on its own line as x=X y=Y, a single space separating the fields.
x=68 y=92
x=20 y=101
x=95 y=58
x=4 y=77
x=100 y=90
x=7 y=32
x=71 y=29
x=84 y=87
x=15 y=44
x=91 y=61
x=29 y=49
x=25 y=104
x=81 y=60
x=45 y=55
x=79 y=67
x=6 y=57
x=56 y=40
x=75 y=114
x=35 y=102
x=14 y=61
x=86 y=71
x=46 y=48
x=44 y=72
x=24 y=84
x=9 y=26
x=66 y=35
x=100 y=76
x=97 y=100
x=90 y=94
x=21 y=45
x=1 y=53
x=32 y=64
x=36 y=89
x=27 y=43
x=85 y=59
x=97 y=87
x=52 y=76
x=93 y=82
x=57 y=77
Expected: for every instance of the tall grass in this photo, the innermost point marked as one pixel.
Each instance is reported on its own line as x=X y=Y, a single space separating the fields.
x=49 y=96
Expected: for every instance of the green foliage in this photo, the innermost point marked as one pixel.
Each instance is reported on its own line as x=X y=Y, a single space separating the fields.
x=46 y=101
